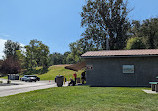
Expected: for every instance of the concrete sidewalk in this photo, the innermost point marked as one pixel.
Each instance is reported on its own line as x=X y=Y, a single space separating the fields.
x=150 y=92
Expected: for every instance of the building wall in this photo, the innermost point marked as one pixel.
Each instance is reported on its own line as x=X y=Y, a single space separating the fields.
x=109 y=71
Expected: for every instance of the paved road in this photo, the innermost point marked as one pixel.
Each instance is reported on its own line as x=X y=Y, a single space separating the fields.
x=24 y=87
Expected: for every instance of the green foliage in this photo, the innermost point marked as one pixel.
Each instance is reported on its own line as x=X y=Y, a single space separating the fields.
x=11 y=63
x=81 y=98
x=70 y=59
x=135 y=43
x=58 y=58
x=148 y=30
x=106 y=19
x=75 y=52
x=78 y=48
x=38 y=70
x=65 y=56
x=11 y=48
x=43 y=53
x=135 y=29
x=55 y=59
x=36 y=54
x=21 y=57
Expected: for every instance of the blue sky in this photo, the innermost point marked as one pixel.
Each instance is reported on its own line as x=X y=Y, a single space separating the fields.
x=55 y=22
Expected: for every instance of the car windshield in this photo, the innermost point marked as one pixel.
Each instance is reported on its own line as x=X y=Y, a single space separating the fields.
x=30 y=76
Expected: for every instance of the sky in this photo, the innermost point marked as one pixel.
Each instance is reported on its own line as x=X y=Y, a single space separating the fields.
x=56 y=23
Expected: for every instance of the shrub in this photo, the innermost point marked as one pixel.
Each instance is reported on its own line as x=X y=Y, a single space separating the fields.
x=135 y=43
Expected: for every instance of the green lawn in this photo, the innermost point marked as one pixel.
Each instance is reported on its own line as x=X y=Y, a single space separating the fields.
x=81 y=98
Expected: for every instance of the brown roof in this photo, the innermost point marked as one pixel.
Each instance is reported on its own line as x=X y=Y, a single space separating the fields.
x=110 y=53
x=76 y=67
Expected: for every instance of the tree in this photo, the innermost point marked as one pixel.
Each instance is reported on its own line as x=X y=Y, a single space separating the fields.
x=36 y=54
x=85 y=45
x=11 y=48
x=21 y=57
x=44 y=53
x=11 y=66
x=11 y=63
x=135 y=29
x=75 y=51
x=78 y=48
x=149 y=29
x=65 y=55
x=135 y=43
x=30 y=58
x=106 y=19
x=70 y=59
x=56 y=58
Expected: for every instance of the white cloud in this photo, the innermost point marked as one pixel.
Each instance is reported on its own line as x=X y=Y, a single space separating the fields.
x=2 y=42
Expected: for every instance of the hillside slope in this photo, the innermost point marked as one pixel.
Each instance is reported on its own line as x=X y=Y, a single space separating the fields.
x=55 y=70
x=52 y=72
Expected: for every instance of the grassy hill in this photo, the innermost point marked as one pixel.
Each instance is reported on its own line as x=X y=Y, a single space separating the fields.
x=55 y=70
x=52 y=72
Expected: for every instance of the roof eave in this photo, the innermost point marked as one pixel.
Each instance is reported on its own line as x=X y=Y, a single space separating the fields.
x=117 y=56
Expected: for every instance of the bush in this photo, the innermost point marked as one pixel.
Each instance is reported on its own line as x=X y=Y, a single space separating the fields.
x=135 y=43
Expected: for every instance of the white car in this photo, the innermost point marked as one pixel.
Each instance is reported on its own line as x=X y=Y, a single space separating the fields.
x=24 y=78
x=30 y=79
x=27 y=78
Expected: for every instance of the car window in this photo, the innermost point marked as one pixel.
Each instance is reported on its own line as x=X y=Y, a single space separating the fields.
x=32 y=77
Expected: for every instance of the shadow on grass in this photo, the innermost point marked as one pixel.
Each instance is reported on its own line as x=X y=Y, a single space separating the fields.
x=35 y=71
